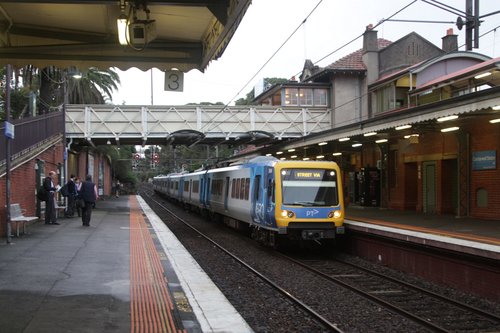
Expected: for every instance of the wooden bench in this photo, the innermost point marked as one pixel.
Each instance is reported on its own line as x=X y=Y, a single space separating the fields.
x=16 y=215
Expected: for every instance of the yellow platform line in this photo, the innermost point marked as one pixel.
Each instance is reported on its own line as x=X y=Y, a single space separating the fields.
x=151 y=307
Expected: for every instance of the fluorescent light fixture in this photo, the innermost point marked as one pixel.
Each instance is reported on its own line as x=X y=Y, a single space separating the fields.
x=447 y=118
x=409 y=136
x=293 y=156
x=399 y=128
x=494 y=121
x=344 y=139
x=496 y=107
x=283 y=158
x=279 y=152
x=269 y=154
x=305 y=159
x=122 y=25
x=320 y=157
x=337 y=154
x=291 y=150
x=322 y=143
x=480 y=76
x=450 y=129
x=381 y=141
x=370 y=134
x=357 y=145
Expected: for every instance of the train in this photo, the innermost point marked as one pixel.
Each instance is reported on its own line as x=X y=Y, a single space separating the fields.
x=273 y=199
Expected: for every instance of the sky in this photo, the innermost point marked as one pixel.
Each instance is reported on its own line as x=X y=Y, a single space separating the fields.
x=267 y=24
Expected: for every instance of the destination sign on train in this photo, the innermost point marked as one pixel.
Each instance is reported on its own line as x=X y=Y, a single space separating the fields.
x=308 y=174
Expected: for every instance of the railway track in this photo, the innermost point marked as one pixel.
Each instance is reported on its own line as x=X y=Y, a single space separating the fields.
x=321 y=303
x=427 y=308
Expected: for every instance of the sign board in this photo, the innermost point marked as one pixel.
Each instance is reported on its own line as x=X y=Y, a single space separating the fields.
x=9 y=130
x=484 y=160
x=174 y=80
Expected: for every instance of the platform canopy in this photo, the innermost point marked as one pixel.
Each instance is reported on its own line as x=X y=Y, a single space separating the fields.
x=163 y=34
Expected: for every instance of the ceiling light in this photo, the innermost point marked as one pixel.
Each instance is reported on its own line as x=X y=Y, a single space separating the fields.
x=322 y=143
x=411 y=135
x=305 y=159
x=269 y=154
x=450 y=129
x=122 y=24
x=293 y=156
x=337 y=154
x=320 y=157
x=494 y=121
x=357 y=145
x=381 y=141
x=291 y=150
x=399 y=128
x=480 y=76
x=344 y=139
x=447 y=118
x=283 y=158
x=496 y=107
x=370 y=134
x=279 y=152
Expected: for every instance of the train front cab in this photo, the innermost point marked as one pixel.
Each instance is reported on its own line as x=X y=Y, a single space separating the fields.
x=309 y=200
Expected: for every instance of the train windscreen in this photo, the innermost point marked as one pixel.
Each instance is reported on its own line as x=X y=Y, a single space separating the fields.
x=309 y=187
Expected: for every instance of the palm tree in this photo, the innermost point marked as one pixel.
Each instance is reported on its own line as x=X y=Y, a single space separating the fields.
x=95 y=87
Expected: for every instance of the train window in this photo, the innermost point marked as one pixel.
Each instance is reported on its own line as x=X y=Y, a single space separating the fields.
x=186 y=187
x=196 y=186
x=256 y=188
x=233 y=187
x=238 y=188
x=270 y=190
x=176 y=185
x=247 y=188
x=309 y=187
x=242 y=189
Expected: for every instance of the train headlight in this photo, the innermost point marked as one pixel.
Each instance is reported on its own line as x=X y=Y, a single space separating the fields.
x=335 y=214
x=287 y=213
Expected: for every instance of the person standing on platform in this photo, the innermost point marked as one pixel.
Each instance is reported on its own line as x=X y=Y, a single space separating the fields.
x=118 y=187
x=70 y=211
x=78 y=206
x=88 y=192
x=50 y=204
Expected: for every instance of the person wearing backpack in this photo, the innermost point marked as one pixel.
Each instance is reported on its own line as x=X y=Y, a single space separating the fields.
x=50 y=203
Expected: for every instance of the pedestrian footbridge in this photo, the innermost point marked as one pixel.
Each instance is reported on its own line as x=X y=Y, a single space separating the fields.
x=191 y=124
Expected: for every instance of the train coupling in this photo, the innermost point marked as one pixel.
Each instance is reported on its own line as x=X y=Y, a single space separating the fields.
x=317 y=234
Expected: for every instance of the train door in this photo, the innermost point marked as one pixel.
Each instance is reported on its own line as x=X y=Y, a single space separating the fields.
x=429 y=187
x=226 y=193
x=269 y=199
x=257 y=199
x=207 y=192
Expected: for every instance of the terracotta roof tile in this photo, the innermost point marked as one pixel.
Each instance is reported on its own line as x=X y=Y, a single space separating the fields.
x=354 y=60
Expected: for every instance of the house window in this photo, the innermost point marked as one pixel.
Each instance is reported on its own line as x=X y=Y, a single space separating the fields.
x=320 y=97
x=306 y=97
x=386 y=99
x=291 y=96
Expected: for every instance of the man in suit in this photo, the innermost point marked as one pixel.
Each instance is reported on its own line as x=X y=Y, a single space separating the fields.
x=50 y=203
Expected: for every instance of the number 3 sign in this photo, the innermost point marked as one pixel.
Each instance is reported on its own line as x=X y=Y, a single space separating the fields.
x=174 y=80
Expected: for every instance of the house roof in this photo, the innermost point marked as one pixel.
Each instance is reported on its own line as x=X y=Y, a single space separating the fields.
x=354 y=61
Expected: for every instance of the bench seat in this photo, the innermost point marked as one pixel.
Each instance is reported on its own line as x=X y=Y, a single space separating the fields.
x=16 y=215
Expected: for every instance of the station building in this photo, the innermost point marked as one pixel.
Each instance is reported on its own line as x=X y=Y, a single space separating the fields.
x=414 y=126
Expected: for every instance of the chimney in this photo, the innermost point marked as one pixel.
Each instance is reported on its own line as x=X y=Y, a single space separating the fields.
x=370 y=39
x=450 y=41
x=370 y=54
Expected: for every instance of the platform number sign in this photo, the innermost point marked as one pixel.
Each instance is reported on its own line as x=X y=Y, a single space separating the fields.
x=174 y=80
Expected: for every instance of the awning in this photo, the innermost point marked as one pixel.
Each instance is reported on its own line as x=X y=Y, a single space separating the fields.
x=83 y=33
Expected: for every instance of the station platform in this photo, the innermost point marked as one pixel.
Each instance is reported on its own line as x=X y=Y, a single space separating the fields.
x=462 y=234
x=125 y=273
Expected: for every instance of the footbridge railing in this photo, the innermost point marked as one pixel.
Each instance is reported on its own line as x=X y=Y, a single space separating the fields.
x=194 y=123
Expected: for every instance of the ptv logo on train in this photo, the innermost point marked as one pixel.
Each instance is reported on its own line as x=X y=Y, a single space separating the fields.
x=311 y=213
